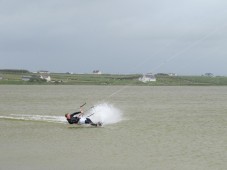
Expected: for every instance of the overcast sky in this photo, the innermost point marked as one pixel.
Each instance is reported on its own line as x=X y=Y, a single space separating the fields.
x=114 y=36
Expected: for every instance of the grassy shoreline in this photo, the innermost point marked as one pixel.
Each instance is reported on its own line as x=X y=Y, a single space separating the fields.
x=111 y=79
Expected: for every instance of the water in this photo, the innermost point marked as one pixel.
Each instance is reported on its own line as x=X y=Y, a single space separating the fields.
x=146 y=128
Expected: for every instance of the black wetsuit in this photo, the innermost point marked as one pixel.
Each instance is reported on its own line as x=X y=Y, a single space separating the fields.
x=75 y=119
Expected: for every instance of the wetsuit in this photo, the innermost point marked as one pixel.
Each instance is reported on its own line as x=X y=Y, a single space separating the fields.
x=77 y=120
x=73 y=119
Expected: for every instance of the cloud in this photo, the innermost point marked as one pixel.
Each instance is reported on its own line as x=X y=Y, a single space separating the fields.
x=114 y=36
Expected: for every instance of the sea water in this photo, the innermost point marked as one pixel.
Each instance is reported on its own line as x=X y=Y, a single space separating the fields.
x=144 y=127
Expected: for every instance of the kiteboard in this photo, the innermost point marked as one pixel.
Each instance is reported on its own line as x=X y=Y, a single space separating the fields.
x=99 y=124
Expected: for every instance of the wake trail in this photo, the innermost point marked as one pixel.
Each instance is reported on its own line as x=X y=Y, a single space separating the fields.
x=105 y=113
x=43 y=118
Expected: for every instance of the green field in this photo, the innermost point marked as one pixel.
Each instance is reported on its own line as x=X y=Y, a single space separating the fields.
x=108 y=79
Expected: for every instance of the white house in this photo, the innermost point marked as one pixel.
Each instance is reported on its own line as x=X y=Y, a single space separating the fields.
x=172 y=74
x=26 y=78
x=147 y=78
x=45 y=77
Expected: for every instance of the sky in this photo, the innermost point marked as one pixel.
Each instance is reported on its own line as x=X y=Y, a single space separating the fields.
x=186 y=37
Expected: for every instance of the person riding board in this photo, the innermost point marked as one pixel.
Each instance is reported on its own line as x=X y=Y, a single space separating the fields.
x=77 y=118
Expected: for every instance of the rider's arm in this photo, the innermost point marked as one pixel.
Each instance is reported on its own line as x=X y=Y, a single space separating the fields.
x=80 y=112
x=75 y=113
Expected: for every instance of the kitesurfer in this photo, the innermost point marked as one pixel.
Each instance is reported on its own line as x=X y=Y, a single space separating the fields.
x=77 y=118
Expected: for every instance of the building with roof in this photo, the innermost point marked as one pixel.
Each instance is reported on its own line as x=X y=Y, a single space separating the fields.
x=45 y=77
x=149 y=77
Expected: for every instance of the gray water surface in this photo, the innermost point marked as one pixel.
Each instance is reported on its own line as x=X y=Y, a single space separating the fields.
x=162 y=128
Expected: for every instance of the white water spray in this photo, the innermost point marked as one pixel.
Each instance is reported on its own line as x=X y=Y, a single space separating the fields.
x=106 y=113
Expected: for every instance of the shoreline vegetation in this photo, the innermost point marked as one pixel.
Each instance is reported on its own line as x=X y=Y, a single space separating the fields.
x=24 y=77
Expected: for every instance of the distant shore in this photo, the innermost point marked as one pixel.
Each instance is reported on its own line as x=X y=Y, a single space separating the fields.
x=28 y=78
